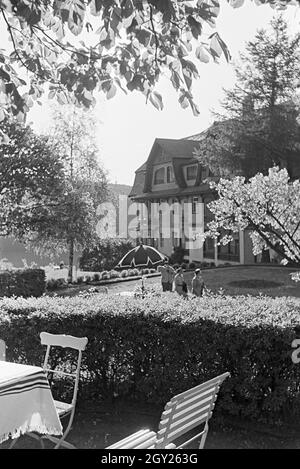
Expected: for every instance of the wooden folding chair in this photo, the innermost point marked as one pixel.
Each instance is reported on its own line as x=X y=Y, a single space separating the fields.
x=2 y=350
x=63 y=409
x=182 y=415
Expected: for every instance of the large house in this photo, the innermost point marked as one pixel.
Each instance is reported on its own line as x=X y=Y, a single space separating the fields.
x=170 y=177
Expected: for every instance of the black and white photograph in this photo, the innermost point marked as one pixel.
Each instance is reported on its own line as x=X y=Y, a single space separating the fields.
x=149 y=229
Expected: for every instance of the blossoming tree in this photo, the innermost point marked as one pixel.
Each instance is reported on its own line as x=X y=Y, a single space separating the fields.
x=268 y=205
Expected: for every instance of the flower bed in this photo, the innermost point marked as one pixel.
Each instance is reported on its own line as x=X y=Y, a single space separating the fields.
x=154 y=347
x=100 y=278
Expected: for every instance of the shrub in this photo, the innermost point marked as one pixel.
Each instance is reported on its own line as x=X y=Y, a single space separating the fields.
x=96 y=277
x=114 y=274
x=153 y=348
x=145 y=271
x=183 y=266
x=80 y=279
x=136 y=272
x=51 y=284
x=25 y=282
x=124 y=274
x=105 y=255
x=177 y=256
x=105 y=275
x=131 y=272
x=152 y=271
x=192 y=265
x=61 y=283
x=88 y=279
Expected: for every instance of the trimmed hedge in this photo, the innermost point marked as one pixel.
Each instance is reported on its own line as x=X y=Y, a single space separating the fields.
x=27 y=282
x=153 y=348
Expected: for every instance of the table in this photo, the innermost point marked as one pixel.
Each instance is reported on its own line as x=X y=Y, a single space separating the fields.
x=26 y=402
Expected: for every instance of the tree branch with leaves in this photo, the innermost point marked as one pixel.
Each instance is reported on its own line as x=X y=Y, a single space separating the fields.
x=135 y=42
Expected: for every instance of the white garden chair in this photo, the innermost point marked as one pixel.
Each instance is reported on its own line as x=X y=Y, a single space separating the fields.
x=182 y=415
x=64 y=409
x=2 y=350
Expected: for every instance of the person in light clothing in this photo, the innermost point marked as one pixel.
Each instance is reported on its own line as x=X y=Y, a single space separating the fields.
x=197 y=283
x=167 y=275
x=180 y=285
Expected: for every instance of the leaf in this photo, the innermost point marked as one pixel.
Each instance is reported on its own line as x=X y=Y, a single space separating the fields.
x=103 y=34
x=165 y=7
x=57 y=28
x=236 y=3
x=156 y=100
x=95 y=7
x=218 y=46
x=89 y=27
x=62 y=97
x=201 y=54
x=188 y=65
x=73 y=11
x=176 y=66
x=118 y=81
x=215 y=47
x=196 y=27
x=208 y=10
x=88 y=95
x=175 y=79
x=111 y=92
x=184 y=102
x=195 y=108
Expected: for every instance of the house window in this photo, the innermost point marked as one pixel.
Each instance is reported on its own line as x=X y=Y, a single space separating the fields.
x=159 y=176
x=209 y=247
x=170 y=175
x=191 y=172
x=194 y=204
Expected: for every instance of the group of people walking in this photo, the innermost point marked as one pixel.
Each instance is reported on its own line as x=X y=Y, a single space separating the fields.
x=173 y=280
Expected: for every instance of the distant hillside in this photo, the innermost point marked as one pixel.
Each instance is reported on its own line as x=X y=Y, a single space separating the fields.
x=119 y=189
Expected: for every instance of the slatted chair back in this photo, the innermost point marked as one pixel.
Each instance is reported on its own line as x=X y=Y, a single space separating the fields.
x=64 y=409
x=61 y=340
x=2 y=350
x=186 y=411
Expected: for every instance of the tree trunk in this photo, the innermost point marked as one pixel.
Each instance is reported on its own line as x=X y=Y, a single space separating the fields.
x=265 y=256
x=71 y=260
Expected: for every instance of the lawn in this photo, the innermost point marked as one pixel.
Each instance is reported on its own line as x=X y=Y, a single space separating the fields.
x=100 y=424
x=255 y=279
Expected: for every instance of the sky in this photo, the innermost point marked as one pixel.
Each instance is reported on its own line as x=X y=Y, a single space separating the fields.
x=127 y=126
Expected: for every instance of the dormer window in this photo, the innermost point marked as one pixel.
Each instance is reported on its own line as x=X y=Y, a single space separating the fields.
x=170 y=174
x=159 y=176
x=191 y=172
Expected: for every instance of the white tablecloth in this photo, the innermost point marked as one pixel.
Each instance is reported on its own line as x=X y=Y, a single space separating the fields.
x=26 y=402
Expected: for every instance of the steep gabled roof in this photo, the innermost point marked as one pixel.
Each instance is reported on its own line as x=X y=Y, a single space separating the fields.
x=182 y=147
x=142 y=168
